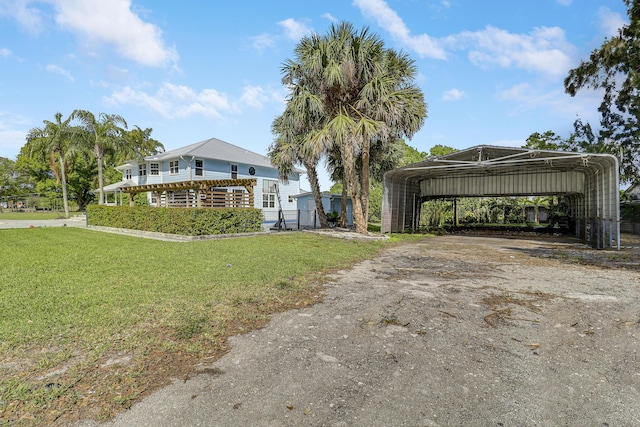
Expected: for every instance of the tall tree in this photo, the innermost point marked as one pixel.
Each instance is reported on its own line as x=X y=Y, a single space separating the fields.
x=615 y=68
x=7 y=177
x=54 y=141
x=347 y=91
x=139 y=145
x=104 y=135
x=290 y=149
x=439 y=150
x=545 y=141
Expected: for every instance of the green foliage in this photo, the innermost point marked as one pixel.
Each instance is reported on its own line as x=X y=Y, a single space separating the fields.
x=631 y=212
x=81 y=182
x=7 y=171
x=479 y=211
x=336 y=188
x=614 y=68
x=545 y=141
x=410 y=154
x=375 y=201
x=185 y=221
x=441 y=150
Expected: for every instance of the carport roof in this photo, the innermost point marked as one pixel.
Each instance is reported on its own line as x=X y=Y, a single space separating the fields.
x=487 y=160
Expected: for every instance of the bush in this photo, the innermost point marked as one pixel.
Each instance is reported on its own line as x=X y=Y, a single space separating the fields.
x=185 y=221
x=631 y=212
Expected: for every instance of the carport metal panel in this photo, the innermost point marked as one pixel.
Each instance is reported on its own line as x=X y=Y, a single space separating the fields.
x=589 y=180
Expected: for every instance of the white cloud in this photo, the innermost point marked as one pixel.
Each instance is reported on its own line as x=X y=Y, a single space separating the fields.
x=97 y=23
x=526 y=98
x=565 y=2
x=294 y=30
x=544 y=50
x=12 y=134
x=114 y=23
x=257 y=96
x=5 y=52
x=253 y=96
x=173 y=101
x=262 y=41
x=329 y=17
x=11 y=141
x=610 y=22
x=59 y=70
x=422 y=44
x=453 y=95
x=29 y=18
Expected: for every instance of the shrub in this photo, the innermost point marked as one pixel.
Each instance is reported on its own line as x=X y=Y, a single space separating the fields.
x=185 y=221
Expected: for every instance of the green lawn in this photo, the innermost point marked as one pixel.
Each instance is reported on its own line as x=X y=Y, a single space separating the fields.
x=29 y=216
x=71 y=300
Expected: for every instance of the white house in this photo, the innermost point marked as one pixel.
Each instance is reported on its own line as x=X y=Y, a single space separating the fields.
x=210 y=173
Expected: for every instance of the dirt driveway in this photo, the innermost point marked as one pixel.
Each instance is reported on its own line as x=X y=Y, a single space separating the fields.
x=455 y=330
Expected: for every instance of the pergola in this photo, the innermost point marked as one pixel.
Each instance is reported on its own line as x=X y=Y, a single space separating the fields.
x=589 y=182
x=210 y=193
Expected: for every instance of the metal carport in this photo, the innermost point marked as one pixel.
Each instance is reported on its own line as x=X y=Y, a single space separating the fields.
x=589 y=181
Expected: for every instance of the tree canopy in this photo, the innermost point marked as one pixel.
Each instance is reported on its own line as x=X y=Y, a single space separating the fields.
x=614 y=68
x=351 y=97
x=69 y=155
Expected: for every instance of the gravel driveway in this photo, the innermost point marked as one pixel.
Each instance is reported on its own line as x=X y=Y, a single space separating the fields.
x=455 y=330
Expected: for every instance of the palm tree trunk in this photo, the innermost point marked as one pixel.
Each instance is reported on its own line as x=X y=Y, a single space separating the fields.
x=346 y=150
x=315 y=190
x=100 y=177
x=343 y=204
x=365 y=179
x=63 y=179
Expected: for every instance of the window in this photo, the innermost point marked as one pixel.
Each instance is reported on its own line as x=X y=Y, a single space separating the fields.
x=234 y=171
x=269 y=189
x=127 y=174
x=154 y=169
x=268 y=200
x=143 y=169
x=173 y=167
x=199 y=167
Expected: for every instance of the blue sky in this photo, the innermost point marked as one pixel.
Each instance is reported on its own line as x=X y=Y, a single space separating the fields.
x=491 y=71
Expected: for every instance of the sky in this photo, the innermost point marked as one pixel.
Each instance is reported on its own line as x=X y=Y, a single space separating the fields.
x=491 y=71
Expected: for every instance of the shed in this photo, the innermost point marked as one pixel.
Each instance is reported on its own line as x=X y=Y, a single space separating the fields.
x=589 y=181
x=330 y=202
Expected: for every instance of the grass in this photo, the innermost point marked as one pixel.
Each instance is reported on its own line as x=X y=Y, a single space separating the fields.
x=29 y=216
x=90 y=322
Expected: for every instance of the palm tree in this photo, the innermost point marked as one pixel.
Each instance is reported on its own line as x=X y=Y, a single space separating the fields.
x=290 y=149
x=103 y=135
x=346 y=91
x=54 y=141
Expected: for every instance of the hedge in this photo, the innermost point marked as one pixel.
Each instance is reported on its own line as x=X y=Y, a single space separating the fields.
x=185 y=221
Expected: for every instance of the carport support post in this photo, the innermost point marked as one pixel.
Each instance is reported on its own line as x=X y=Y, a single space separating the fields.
x=455 y=212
